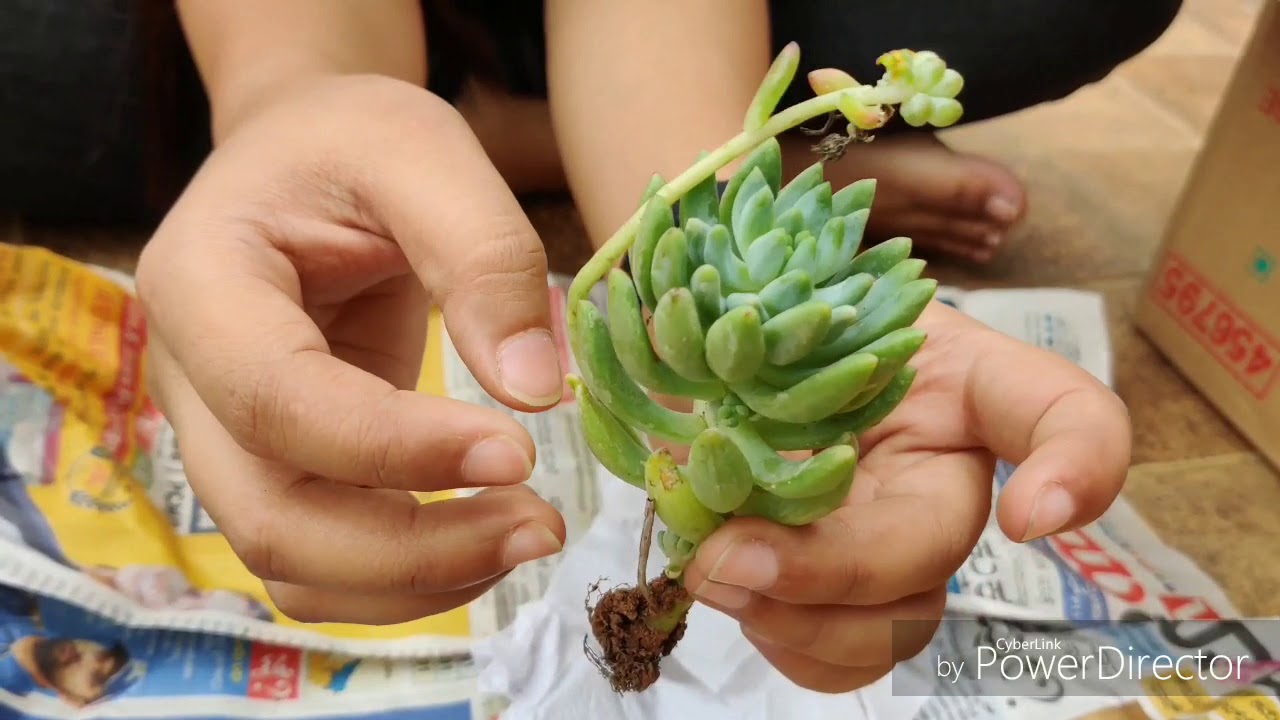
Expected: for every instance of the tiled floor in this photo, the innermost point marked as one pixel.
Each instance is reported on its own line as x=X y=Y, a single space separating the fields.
x=1104 y=168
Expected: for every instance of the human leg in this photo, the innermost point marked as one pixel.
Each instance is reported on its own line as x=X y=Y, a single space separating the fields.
x=1014 y=54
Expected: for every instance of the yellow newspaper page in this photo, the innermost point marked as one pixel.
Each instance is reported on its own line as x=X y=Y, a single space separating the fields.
x=98 y=489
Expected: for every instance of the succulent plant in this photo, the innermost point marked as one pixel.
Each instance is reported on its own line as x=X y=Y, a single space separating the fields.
x=767 y=313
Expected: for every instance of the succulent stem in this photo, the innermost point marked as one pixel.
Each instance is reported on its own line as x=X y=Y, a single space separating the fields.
x=863 y=97
x=667 y=622
x=646 y=542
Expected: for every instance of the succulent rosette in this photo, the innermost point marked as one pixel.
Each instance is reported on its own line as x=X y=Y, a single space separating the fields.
x=756 y=300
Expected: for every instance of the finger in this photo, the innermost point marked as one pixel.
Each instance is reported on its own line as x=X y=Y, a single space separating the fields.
x=814 y=674
x=1069 y=435
x=383 y=331
x=847 y=635
x=317 y=605
x=303 y=530
x=910 y=538
x=469 y=240
x=331 y=536
x=287 y=399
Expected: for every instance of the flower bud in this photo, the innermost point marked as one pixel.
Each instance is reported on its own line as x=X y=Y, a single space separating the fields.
x=946 y=112
x=897 y=64
x=927 y=70
x=917 y=110
x=863 y=117
x=948 y=86
x=829 y=80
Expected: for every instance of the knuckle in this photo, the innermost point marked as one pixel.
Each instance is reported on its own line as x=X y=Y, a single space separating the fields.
x=952 y=550
x=252 y=539
x=385 y=448
x=258 y=414
x=509 y=251
x=251 y=393
x=296 y=604
x=813 y=638
x=907 y=645
x=423 y=573
x=853 y=571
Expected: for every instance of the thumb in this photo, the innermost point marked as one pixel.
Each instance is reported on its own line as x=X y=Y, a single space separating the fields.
x=494 y=295
x=471 y=244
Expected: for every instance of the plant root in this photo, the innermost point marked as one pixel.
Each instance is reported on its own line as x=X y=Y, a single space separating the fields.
x=635 y=634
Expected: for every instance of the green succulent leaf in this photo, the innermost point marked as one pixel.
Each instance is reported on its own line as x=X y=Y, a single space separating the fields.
x=791 y=193
x=635 y=351
x=670 y=263
x=655 y=220
x=761 y=305
x=753 y=215
x=767 y=256
x=854 y=197
x=736 y=344
x=767 y=156
x=701 y=203
x=772 y=87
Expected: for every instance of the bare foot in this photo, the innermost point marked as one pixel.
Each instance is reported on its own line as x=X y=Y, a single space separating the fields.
x=946 y=202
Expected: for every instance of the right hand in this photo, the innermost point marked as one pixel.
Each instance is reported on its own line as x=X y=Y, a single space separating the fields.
x=287 y=296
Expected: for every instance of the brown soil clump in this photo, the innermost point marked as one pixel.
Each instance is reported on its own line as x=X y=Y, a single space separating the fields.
x=634 y=635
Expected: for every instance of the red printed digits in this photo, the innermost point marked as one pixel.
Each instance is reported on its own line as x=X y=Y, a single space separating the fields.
x=1181 y=607
x=1244 y=350
x=1262 y=361
x=1173 y=278
x=1093 y=563
x=1189 y=297
x=1270 y=105
x=273 y=673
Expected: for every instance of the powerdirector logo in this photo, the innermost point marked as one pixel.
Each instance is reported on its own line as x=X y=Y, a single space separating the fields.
x=1135 y=656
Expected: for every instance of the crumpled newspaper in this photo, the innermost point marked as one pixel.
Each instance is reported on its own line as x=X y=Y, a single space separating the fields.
x=540 y=666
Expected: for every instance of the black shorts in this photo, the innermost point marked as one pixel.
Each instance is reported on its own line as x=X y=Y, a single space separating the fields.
x=104 y=118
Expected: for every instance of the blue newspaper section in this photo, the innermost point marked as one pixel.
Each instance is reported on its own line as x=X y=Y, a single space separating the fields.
x=1082 y=600
x=63 y=652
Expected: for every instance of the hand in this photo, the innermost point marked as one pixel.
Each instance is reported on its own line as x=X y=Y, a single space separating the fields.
x=820 y=602
x=287 y=297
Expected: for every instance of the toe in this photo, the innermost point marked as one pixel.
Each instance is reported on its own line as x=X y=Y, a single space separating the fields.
x=1003 y=199
x=978 y=189
x=966 y=236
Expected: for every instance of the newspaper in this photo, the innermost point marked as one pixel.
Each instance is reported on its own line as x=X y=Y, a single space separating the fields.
x=104 y=480
x=99 y=530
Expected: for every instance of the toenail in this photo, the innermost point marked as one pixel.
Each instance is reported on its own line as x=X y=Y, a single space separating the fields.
x=1002 y=209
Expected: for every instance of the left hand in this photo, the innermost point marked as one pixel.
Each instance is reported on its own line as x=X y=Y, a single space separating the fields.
x=821 y=602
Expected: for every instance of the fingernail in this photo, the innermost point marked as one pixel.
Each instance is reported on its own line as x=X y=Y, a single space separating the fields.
x=496 y=461
x=1002 y=209
x=1051 y=509
x=994 y=239
x=530 y=542
x=726 y=596
x=529 y=368
x=746 y=563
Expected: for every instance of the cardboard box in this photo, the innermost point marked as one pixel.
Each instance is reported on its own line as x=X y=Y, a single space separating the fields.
x=1211 y=302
